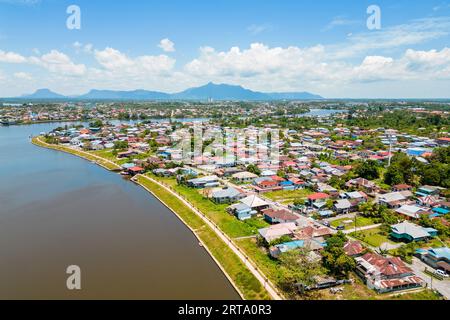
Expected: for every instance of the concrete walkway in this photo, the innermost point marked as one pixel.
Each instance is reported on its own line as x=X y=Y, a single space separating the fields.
x=265 y=282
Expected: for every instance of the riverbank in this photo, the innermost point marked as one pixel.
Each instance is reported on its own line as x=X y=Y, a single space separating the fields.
x=106 y=164
x=234 y=267
x=245 y=283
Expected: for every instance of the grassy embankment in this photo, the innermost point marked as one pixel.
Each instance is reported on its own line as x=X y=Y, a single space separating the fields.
x=104 y=163
x=238 y=230
x=250 y=287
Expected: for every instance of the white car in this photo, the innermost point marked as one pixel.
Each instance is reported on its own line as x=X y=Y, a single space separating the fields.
x=441 y=273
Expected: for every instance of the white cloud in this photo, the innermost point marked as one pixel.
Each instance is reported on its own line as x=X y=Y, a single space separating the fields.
x=115 y=61
x=86 y=48
x=23 y=76
x=293 y=68
x=58 y=62
x=416 y=32
x=166 y=45
x=11 y=57
x=339 y=22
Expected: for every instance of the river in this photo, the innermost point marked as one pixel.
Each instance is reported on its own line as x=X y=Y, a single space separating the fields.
x=58 y=210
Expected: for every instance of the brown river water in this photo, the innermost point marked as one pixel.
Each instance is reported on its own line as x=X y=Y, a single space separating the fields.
x=58 y=210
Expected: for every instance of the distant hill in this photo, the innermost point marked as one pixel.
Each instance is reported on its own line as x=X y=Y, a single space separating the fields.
x=208 y=91
x=220 y=92
x=44 y=94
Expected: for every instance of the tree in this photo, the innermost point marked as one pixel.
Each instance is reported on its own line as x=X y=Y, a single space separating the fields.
x=253 y=169
x=120 y=145
x=334 y=257
x=402 y=170
x=368 y=170
x=297 y=268
x=96 y=124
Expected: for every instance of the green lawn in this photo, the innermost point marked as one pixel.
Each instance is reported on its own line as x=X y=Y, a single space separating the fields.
x=242 y=277
x=261 y=257
x=373 y=237
x=360 y=222
x=288 y=196
x=216 y=212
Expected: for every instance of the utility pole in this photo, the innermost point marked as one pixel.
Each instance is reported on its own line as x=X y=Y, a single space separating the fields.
x=390 y=150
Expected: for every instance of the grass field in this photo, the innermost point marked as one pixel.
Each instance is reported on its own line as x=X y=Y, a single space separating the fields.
x=288 y=196
x=373 y=237
x=238 y=272
x=360 y=222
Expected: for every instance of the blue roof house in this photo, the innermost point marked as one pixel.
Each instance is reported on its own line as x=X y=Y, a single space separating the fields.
x=242 y=211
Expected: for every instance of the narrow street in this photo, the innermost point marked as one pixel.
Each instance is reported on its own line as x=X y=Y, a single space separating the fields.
x=443 y=287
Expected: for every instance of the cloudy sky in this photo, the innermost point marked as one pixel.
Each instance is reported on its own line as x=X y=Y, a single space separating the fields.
x=320 y=46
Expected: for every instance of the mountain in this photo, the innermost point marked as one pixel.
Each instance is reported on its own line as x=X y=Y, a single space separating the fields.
x=230 y=92
x=208 y=91
x=124 y=95
x=220 y=92
x=44 y=94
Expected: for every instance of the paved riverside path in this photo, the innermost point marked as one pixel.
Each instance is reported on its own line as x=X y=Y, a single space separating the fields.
x=245 y=260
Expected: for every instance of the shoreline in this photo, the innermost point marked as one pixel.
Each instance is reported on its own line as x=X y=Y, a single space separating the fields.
x=86 y=156
x=195 y=234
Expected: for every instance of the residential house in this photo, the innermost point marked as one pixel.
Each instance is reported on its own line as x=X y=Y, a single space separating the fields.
x=204 y=182
x=244 y=177
x=354 y=249
x=255 y=203
x=411 y=211
x=279 y=216
x=386 y=274
x=318 y=199
x=242 y=211
x=402 y=187
x=393 y=199
x=227 y=195
x=277 y=231
x=425 y=191
x=437 y=258
x=407 y=231
x=362 y=184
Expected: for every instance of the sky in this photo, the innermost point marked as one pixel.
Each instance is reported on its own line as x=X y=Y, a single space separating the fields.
x=323 y=46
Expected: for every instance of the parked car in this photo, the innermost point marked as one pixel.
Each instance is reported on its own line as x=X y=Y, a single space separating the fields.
x=326 y=223
x=340 y=228
x=441 y=273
